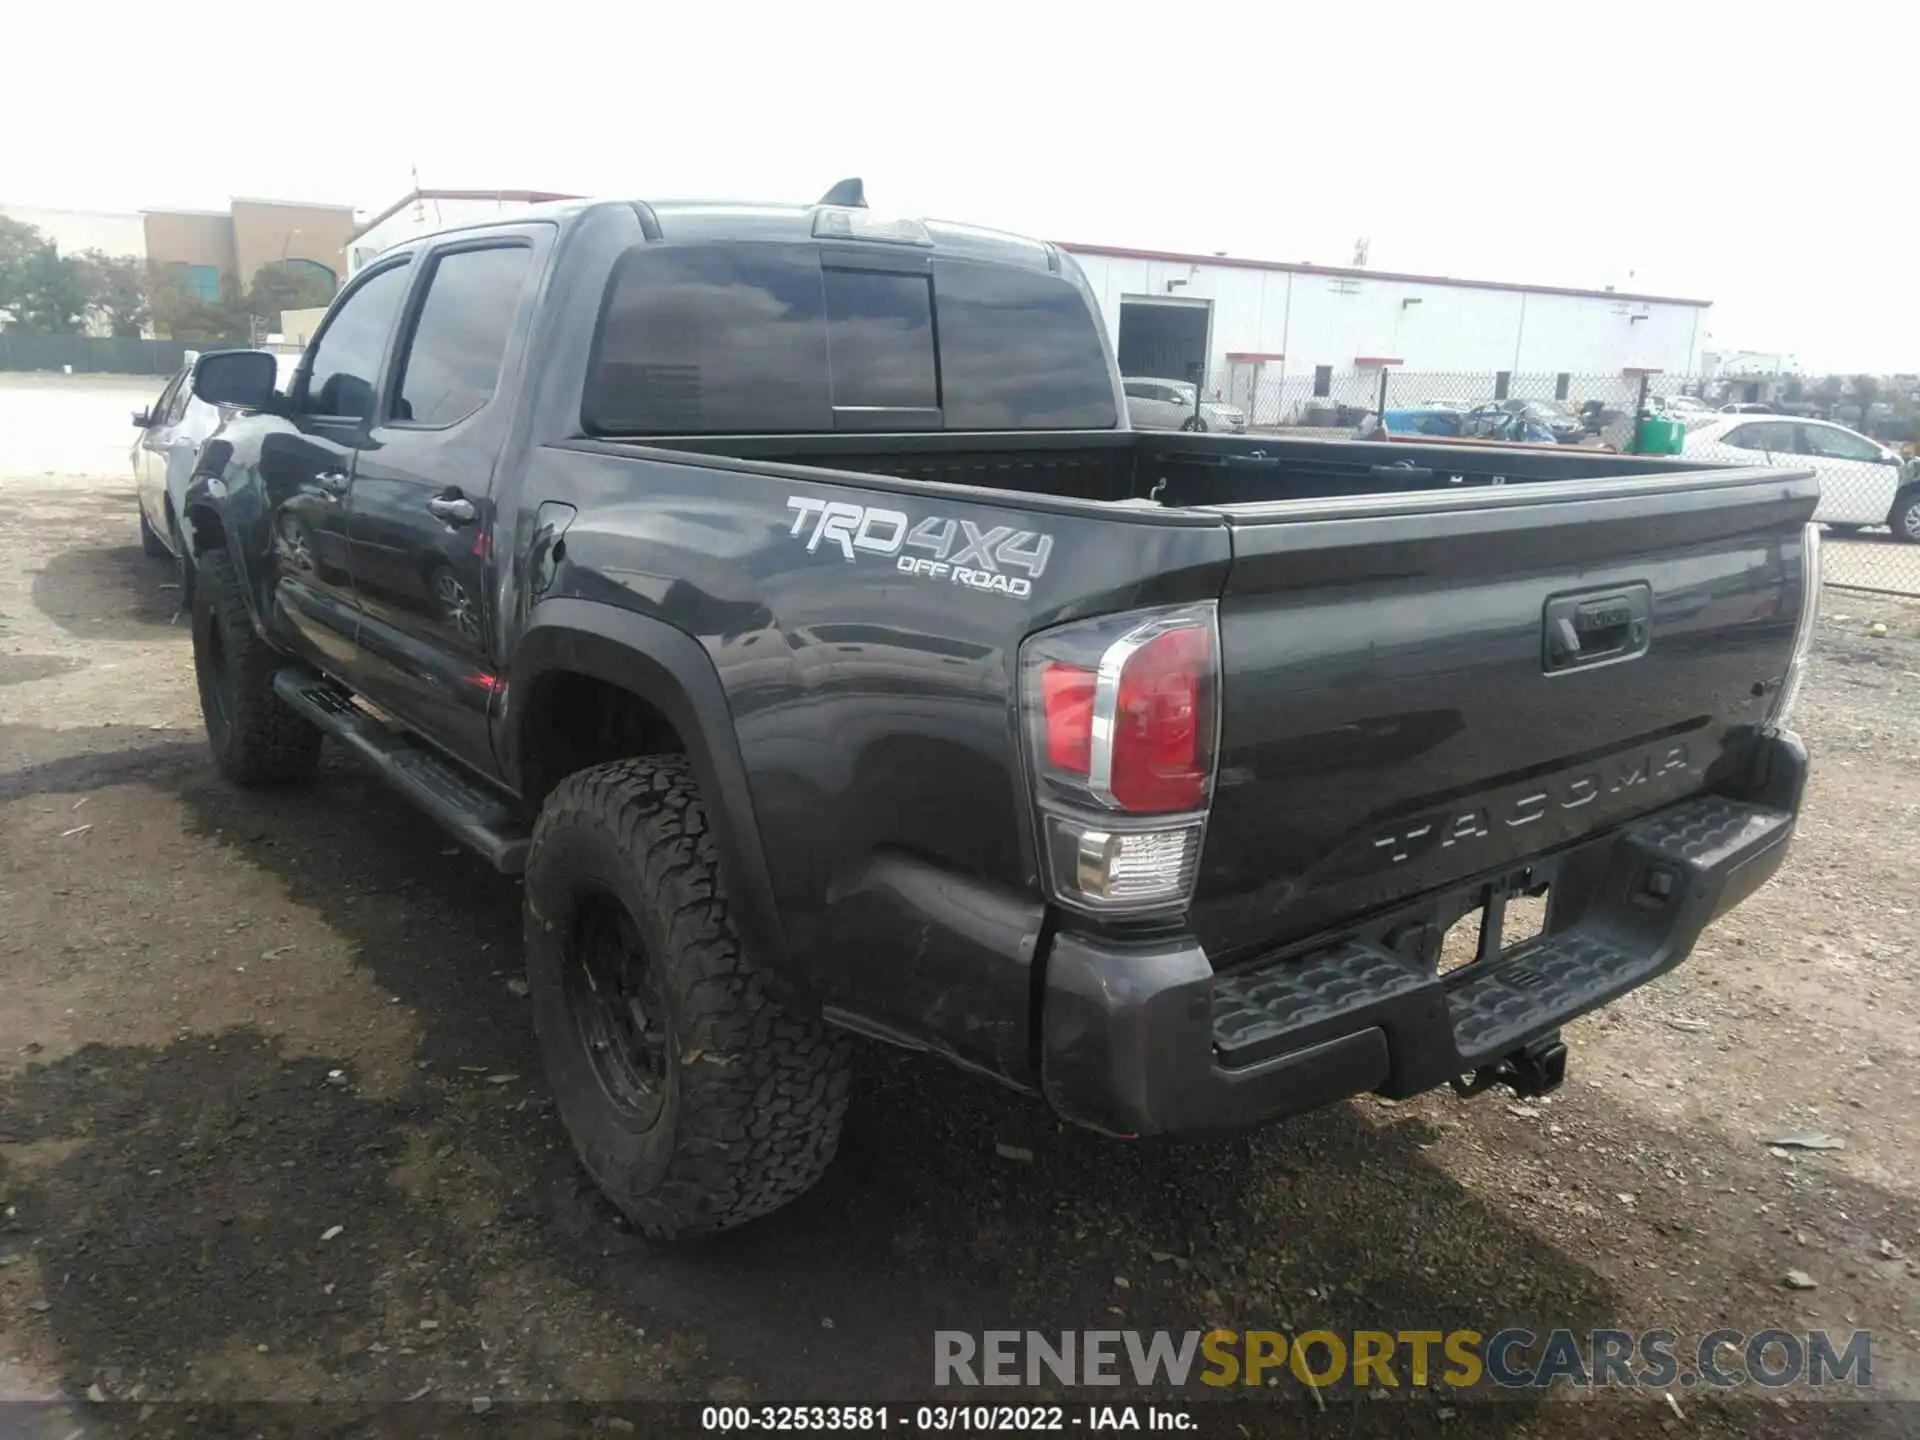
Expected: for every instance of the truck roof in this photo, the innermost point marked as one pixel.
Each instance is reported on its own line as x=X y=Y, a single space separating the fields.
x=679 y=220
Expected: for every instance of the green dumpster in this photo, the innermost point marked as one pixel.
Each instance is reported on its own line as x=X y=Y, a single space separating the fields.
x=1657 y=435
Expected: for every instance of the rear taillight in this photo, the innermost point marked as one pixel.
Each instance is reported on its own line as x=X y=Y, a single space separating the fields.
x=1803 y=631
x=1160 y=759
x=1121 y=718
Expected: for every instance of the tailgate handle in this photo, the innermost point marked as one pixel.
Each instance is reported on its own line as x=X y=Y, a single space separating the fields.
x=1596 y=627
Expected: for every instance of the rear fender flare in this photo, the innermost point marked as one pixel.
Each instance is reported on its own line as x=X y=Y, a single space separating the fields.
x=671 y=671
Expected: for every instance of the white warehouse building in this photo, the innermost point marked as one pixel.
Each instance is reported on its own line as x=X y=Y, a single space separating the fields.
x=1264 y=333
x=1254 y=324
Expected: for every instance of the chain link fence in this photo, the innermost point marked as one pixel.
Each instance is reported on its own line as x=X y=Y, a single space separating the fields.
x=1870 y=488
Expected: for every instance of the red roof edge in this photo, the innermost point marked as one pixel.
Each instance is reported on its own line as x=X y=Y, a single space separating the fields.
x=1381 y=360
x=1641 y=370
x=1255 y=355
x=1121 y=252
x=522 y=197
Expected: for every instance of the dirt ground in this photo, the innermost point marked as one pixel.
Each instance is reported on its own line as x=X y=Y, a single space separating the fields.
x=272 y=1127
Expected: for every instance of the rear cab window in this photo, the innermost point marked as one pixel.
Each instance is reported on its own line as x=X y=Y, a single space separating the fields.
x=755 y=337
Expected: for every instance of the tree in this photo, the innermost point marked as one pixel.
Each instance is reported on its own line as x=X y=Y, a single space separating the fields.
x=182 y=314
x=1793 y=390
x=287 y=285
x=1866 y=389
x=55 y=292
x=19 y=243
x=1829 y=390
x=118 y=287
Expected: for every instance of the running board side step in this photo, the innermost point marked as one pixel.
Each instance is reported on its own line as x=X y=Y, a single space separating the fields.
x=479 y=818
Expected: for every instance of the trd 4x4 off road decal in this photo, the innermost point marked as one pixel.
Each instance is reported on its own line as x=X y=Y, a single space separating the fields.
x=957 y=551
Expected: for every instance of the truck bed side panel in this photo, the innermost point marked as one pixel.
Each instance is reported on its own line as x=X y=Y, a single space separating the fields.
x=873 y=703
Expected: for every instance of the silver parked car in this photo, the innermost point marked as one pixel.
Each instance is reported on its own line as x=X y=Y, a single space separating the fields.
x=1169 y=405
x=172 y=431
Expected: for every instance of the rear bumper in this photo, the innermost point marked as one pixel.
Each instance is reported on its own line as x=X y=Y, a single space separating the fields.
x=1145 y=1038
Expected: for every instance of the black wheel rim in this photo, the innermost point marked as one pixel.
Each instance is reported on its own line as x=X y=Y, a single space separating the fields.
x=619 y=1009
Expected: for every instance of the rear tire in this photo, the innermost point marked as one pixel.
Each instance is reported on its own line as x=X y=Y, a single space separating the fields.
x=696 y=1099
x=256 y=739
x=1194 y=425
x=1848 y=531
x=151 y=545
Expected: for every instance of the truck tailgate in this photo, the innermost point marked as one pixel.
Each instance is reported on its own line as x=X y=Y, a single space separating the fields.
x=1422 y=688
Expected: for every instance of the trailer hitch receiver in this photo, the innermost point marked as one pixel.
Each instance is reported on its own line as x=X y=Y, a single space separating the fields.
x=1537 y=1068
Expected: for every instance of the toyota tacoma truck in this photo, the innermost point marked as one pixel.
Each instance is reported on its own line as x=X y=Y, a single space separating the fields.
x=780 y=592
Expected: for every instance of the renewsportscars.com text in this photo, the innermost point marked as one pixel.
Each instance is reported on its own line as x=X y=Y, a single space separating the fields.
x=1512 y=1358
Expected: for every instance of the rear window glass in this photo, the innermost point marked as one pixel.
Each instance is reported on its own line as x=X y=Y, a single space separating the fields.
x=753 y=337
x=711 y=339
x=1019 y=350
x=880 y=338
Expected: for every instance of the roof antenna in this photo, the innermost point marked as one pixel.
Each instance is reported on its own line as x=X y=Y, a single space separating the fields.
x=848 y=192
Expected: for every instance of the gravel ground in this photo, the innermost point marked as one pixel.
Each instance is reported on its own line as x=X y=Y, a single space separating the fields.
x=271 y=1124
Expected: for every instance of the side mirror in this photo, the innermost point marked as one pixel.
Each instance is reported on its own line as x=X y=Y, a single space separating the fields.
x=240 y=379
x=142 y=420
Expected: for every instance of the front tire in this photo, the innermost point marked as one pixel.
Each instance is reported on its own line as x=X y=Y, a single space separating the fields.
x=696 y=1099
x=1194 y=425
x=1905 y=518
x=182 y=564
x=256 y=739
x=151 y=545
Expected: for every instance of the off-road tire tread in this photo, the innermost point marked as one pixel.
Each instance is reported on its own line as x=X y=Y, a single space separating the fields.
x=762 y=1088
x=267 y=743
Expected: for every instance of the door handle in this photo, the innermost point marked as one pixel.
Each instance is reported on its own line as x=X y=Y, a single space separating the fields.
x=454 y=509
x=334 y=482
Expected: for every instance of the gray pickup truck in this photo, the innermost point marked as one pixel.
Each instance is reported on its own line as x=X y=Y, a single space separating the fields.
x=780 y=591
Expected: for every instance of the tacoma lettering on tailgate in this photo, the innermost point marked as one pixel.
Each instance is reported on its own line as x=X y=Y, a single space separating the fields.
x=1465 y=825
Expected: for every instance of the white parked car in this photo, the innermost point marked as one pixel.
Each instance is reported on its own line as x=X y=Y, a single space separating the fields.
x=1169 y=405
x=1687 y=409
x=170 y=434
x=1862 y=482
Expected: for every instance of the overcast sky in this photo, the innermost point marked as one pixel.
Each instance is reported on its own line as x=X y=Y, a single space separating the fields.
x=1685 y=148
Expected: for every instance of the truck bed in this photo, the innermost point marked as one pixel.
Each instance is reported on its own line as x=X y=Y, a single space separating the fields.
x=1174 y=470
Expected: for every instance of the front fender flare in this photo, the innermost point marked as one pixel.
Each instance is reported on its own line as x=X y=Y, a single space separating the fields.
x=201 y=514
x=671 y=671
